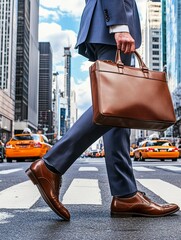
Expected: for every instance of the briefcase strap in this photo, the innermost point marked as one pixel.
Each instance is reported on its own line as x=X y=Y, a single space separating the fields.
x=120 y=64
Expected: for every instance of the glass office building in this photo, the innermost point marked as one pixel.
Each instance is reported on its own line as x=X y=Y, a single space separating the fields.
x=8 y=32
x=152 y=34
x=163 y=36
x=173 y=38
x=45 y=86
x=27 y=66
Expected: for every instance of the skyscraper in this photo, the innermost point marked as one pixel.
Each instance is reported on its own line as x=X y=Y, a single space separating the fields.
x=67 y=82
x=45 y=88
x=8 y=28
x=173 y=36
x=150 y=49
x=27 y=59
x=153 y=35
x=163 y=35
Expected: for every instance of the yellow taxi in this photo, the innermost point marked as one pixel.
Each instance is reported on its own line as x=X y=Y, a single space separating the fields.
x=156 y=149
x=179 y=149
x=131 y=152
x=102 y=153
x=24 y=146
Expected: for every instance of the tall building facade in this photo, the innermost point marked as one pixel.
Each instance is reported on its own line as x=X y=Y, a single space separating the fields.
x=153 y=35
x=150 y=50
x=33 y=65
x=45 y=88
x=173 y=37
x=8 y=33
x=74 y=110
x=59 y=108
x=55 y=96
x=67 y=83
x=64 y=102
x=163 y=36
x=27 y=66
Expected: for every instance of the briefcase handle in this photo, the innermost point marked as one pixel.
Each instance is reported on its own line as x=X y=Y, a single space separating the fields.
x=120 y=64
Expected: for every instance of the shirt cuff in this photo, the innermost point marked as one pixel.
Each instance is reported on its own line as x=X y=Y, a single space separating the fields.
x=118 y=28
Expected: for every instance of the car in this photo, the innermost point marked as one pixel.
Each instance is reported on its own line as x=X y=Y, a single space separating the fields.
x=179 y=149
x=91 y=153
x=26 y=146
x=156 y=149
x=100 y=153
x=131 y=152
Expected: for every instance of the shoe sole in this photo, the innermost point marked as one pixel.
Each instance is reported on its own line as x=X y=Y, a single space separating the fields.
x=129 y=214
x=43 y=194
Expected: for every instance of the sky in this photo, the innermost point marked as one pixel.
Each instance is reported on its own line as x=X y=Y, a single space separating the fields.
x=59 y=24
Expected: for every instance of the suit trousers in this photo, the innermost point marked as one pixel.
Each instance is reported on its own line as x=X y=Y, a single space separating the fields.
x=85 y=132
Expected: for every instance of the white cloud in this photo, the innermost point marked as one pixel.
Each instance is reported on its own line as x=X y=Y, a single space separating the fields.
x=45 y=13
x=85 y=66
x=59 y=38
x=72 y=7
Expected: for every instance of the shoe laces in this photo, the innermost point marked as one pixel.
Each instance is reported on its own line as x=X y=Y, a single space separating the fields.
x=144 y=195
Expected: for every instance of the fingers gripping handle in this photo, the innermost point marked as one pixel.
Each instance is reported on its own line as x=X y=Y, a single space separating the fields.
x=120 y=64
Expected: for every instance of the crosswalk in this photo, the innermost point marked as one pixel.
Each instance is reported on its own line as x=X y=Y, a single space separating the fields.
x=143 y=169
x=24 y=195
x=167 y=167
x=168 y=192
x=3 y=172
x=83 y=191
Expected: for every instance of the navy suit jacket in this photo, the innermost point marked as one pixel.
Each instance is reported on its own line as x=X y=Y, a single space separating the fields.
x=98 y=15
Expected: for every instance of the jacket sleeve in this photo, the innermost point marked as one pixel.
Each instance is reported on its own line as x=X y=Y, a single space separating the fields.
x=114 y=12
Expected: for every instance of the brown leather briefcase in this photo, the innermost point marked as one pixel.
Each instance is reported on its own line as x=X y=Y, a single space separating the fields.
x=130 y=97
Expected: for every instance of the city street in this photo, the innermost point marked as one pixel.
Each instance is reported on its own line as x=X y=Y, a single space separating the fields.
x=85 y=192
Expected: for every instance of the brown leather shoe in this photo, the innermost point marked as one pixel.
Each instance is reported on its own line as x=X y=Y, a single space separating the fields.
x=140 y=205
x=48 y=184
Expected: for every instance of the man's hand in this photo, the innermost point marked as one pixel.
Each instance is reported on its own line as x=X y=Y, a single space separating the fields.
x=124 y=42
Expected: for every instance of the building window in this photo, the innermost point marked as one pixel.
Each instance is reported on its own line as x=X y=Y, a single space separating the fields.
x=155 y=52
x=156 y=64
x=155 y=39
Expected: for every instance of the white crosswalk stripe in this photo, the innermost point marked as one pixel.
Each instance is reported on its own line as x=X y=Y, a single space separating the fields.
x=172 y=168
x=143 y=169
x=89 y=169
x=162 y=188
x=19 y=196
x=167 y=167
x=83 y=191
x=5 y=217
x=94 y=160
x=3 y=172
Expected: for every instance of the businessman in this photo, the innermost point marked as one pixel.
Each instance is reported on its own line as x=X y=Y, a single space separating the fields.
x=105 y=27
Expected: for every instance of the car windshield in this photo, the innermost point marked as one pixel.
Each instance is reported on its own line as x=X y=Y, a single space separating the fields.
x=159 y=143
x=25 y=137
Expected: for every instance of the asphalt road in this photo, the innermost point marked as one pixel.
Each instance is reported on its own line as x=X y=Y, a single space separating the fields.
x=85 y=192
